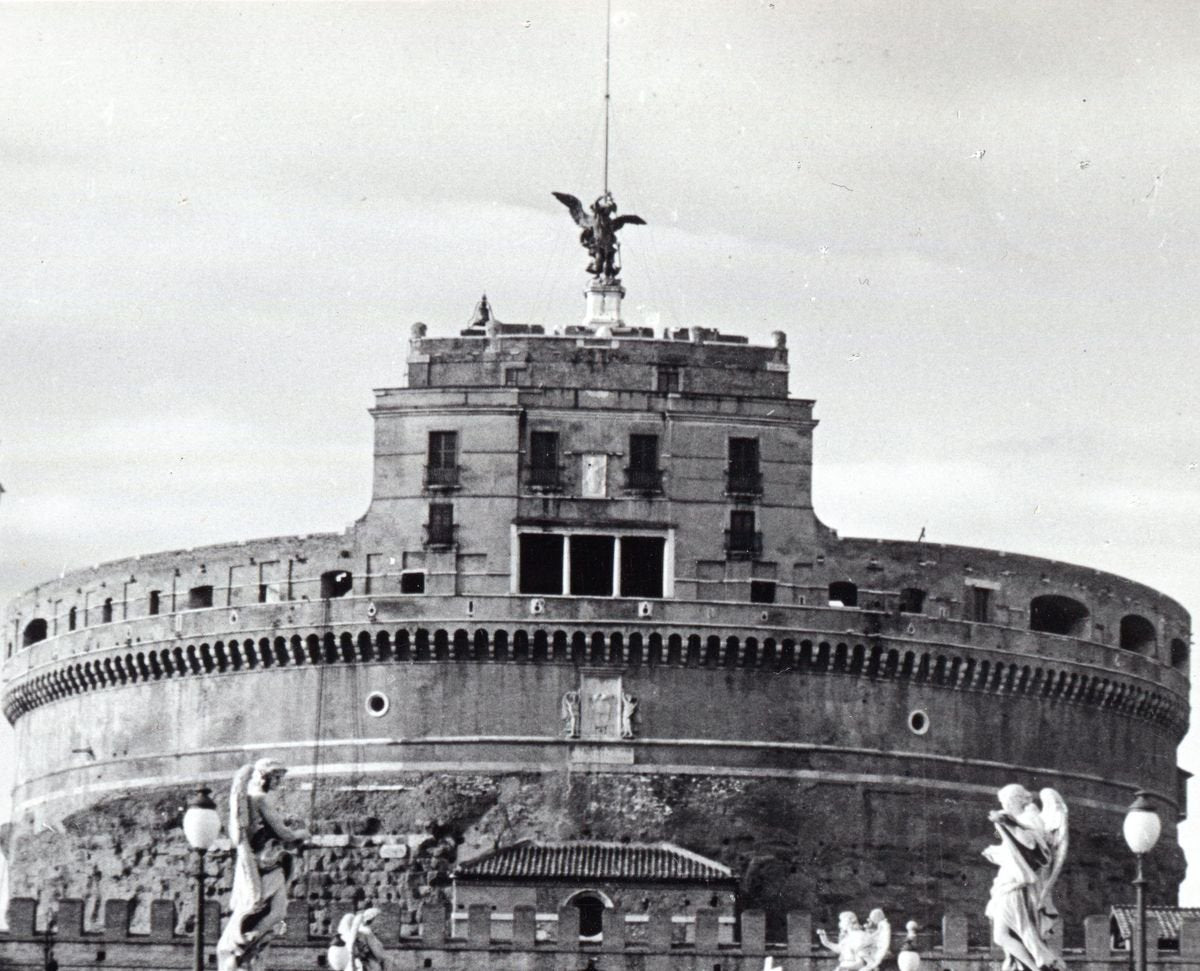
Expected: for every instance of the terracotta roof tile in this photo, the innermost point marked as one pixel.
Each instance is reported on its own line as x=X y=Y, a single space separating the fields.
x=594 y=860
x=1167 y=920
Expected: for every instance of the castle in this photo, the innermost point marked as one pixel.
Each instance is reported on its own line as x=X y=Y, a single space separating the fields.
x=591 y=600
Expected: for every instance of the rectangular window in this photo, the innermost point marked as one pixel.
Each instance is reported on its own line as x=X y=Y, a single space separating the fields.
x=980 y=603
x=592 y=566
x=667 y=380
x=154 y=602
x=439 y=531
x=745 y=477
x=442 y=467
x=762 y=591
x=642 y=566
x=543 y=460
x=200 y=597
x=270 y=582
x=412 y=581
x=541 y=567
x=643 y=474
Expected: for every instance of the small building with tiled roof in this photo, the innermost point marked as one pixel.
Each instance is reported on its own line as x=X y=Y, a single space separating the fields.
x=1164 y=924
x=595 y=875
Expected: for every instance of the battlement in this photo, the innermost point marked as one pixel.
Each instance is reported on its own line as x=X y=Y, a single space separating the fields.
x=526 y=939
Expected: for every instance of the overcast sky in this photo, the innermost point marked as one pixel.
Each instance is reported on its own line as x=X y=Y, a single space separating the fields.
x=977 y=225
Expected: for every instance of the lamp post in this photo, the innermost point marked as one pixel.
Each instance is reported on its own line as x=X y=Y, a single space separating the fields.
x=201 y=824
x=1141 y=829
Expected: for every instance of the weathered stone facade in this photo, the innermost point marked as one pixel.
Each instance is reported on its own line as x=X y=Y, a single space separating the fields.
x=626 y=522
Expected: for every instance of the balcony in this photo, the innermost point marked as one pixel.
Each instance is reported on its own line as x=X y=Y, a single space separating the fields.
x=743 y=482
x=742 y=545
x=440 y=478
x=440 y=536
x=645 y=481
x=545 y=479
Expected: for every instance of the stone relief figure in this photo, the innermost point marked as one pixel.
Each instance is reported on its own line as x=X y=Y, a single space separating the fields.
x=263 y=867
x=879 y=939
x=628 y=708
x=355 y=946
x=1029 y=858
x=601 y=714
x=570 y=714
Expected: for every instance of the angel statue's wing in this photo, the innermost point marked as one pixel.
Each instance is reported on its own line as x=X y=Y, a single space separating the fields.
x=1054 y=819
x=630 y=220
x=578 y=213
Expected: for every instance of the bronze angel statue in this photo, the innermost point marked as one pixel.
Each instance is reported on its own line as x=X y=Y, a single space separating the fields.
x=599 y=236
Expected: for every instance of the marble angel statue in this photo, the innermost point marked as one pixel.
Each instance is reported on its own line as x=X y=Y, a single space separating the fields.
x=355 y=947
x=264 y=867
x=1029 y=859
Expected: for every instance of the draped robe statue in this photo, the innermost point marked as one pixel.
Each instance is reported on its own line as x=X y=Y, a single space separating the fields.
x=1029 y=858
x=263 y=869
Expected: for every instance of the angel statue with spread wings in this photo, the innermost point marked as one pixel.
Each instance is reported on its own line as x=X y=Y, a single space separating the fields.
x=263 y=868
x=599 y=236
x=1029 y=857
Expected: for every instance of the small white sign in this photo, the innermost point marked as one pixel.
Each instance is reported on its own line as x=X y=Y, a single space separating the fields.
x=394 y=851
x=595 y=476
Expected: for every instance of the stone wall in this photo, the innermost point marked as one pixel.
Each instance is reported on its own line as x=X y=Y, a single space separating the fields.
x=512 y=942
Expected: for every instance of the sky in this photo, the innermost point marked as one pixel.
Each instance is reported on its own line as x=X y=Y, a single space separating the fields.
x=976 y=223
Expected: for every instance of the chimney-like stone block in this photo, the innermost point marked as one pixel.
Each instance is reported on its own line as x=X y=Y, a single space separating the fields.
x=524 y=926
x=162 y=921
x=954 y=935
x=754 y=932
x=479 y=925
x=708 y=928
x=116 y=919
x=568 y=928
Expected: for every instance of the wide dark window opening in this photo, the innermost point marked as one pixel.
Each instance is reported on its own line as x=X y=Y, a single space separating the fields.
x=35 y=631
x=642 y=560
x=336 y=583
x=543 y=460
x=439 y=531
x=541 y=563
x=1137 y=633
x=741 y=539
x=744 y=475
x=643 y=474
x=592 y=566
x=912 y=600
x=843 y=593
x=762 y=591
x=412 y=581
x=1054 y=614
x=199 y=597
x=442 y=466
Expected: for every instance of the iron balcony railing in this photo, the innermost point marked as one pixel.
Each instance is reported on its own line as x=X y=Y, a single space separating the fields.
x=743 y=482
x=742 y=545
x=643 y=480
x=440 y=535
x=545 y=479
x=441 y=477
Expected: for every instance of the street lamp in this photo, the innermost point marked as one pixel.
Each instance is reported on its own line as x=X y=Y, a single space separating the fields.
x=201 y=824
x=1141 y=830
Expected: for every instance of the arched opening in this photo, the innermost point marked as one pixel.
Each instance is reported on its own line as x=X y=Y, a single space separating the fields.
x=35 y=631
x=72 y=618
x=591 y=905
x=912 y=600
x=1055 y=614
x=1179 y=653
x=843 y=593
x=1137 y=634
x=336 y=583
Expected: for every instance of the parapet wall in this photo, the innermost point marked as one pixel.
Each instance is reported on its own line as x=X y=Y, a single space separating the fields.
x=528 y=941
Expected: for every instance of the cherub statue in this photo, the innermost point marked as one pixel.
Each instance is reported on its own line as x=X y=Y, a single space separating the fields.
x=628 y=709
x=263 y=868
x=1029 y=857
x=599 y=236
x=851 y=944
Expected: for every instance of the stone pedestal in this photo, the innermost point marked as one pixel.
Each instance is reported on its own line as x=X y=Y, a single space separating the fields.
x=603 y=304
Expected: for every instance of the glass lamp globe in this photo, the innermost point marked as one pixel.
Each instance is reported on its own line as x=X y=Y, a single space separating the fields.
x=201 y=824
x=908 y=959
x=1142 y=825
